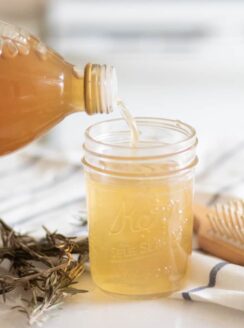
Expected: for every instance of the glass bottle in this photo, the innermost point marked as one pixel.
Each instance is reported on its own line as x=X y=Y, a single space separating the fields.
x=38 y=88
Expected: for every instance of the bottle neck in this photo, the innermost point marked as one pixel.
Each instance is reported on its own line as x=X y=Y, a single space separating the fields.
x=100 y=89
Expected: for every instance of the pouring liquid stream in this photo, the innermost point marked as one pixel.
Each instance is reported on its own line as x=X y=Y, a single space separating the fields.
x=130 y=121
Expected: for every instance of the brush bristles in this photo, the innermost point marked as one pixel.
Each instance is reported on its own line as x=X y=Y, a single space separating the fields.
x=227 y=222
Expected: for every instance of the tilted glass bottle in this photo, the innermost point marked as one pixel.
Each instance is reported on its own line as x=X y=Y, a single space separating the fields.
x=38 y=88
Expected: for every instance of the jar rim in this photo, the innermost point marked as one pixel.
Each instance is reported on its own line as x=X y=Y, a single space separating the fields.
x=188 y=139
x=168 y=148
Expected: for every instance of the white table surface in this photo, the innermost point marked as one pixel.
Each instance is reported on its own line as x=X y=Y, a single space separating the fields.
x=99 y=309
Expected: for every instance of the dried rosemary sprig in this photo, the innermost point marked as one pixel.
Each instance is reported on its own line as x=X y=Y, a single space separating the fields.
x=45 y=270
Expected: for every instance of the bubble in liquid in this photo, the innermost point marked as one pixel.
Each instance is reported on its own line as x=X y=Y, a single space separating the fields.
x=1 y=46
x=23 y=49
x=9 y=49
x=41 y=50
x=13 y=41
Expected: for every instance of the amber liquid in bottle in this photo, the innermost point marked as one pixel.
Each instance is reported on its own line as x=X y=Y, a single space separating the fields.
x=38 y=88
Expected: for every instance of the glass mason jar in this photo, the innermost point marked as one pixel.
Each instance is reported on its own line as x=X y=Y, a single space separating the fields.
x=139 y=203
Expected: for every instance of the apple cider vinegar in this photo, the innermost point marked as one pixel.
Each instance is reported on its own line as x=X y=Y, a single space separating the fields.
x=38 y=88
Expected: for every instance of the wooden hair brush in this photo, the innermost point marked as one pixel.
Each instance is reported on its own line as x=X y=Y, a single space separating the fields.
x=220 y=230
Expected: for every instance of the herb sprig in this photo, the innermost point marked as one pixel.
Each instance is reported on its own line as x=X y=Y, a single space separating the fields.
x=45 y=270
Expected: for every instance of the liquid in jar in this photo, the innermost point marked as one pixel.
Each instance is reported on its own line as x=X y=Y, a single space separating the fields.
x=140 y=234
x=139 y=202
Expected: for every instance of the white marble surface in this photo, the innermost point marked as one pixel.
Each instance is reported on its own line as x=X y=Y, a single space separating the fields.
x=99 y=309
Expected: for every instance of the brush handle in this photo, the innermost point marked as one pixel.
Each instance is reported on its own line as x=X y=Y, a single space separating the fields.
x=210 y=242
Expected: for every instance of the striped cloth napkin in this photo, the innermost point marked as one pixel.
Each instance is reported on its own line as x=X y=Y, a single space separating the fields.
x=41 y=187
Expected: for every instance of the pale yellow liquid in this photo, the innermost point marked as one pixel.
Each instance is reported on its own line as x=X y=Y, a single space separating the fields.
x=130 y=121
x=140 y=233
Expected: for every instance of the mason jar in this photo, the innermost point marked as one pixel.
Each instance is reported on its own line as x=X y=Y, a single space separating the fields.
x=139 y=201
